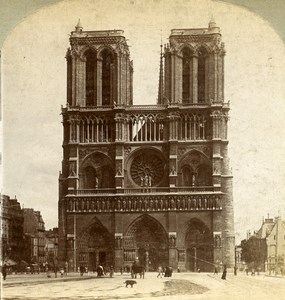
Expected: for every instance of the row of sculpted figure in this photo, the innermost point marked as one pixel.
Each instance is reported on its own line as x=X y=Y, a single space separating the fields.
x=154 y=203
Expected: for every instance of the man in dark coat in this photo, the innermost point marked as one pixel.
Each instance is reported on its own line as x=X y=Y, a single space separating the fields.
x=224 y=275
x=4 y=271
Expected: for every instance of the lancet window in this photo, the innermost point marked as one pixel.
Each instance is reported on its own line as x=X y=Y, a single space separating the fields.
x=202 y=62
x=90 y=86
x=186 y=75
x=107 y=68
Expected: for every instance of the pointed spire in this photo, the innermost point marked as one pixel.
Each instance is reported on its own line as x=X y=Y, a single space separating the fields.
x=78 y=27
x=160 y=82
x=212 y=23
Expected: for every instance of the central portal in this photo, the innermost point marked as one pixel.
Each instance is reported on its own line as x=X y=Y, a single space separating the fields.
x=147 y=240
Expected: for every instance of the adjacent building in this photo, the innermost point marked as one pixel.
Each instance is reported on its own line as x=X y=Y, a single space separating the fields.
x=274 y=232
x=146 y=182
x=12 y=222
x=51 y=244
x=34 y=230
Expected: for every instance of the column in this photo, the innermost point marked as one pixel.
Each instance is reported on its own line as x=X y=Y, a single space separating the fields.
x=215 y=77
x=99 y=82
x=97 y=130
x=87 y=129
x=77 y=131
x=145 y=128
x=92 y=131
x=195 y=78
x=194 y=128
x=70 y=131
x=118 y=251
x=173 y=259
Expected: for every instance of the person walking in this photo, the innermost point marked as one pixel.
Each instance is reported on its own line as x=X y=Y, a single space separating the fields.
x=4 y=271
x=82 y=269
x=111 y=271
x=224 y=275
x=235 y=270
x=65 y=268
x=159 y=272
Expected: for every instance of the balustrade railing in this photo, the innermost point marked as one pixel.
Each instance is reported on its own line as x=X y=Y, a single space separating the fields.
x=144 y=190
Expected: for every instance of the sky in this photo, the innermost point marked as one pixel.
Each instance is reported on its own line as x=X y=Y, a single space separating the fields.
x=34 y=88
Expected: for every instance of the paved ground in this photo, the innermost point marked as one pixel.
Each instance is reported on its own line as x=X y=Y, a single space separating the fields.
x=180 y=286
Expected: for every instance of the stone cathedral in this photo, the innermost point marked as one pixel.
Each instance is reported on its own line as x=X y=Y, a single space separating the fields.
x=150 y=183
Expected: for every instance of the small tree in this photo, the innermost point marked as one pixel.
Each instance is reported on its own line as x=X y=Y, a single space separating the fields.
x=254 y=252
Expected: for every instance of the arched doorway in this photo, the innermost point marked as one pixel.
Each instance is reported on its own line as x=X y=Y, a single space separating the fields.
x=147 y=241
x=199 y=247
x=96 y=247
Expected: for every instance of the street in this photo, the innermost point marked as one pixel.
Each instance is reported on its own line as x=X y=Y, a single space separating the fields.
x=180 y=286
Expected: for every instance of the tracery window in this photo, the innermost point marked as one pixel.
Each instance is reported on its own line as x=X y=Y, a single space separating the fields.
x=202 y=57
x=186 y=75
x=107 y=65
x=90 y=78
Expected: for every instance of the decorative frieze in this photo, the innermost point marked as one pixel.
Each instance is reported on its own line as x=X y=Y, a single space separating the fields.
x=144 y=203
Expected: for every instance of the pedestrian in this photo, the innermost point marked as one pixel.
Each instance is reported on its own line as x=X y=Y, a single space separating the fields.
x=235 y=270
x=111 y=271
x=4 y=271
x=47 y=270
x=55 y=271
x=224 y=275
x=65 y=268
x=81 y=269
x=159 y=272
x=61 y=271
x=246 y=270
x=216 y=270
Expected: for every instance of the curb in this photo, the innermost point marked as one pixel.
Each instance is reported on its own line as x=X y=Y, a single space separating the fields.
x=54 y=280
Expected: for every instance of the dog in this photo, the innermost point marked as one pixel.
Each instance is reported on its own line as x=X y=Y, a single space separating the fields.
x=130 y=282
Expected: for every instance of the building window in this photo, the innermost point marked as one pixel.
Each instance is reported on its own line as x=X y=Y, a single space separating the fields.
x=186 y=71
x=90 y=78
x=107 y=65
x=202 y=75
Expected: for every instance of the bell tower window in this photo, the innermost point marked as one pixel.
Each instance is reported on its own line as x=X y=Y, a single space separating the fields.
x=107 y=65
x=90 y=78
x=202 y=75
x=186 y=65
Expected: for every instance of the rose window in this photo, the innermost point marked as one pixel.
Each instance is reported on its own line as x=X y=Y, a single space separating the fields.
x=147 y=169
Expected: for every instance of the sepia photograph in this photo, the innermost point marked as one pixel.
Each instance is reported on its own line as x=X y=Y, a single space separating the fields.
x=142 y=151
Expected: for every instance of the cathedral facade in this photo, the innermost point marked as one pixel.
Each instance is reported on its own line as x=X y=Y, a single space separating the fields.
x=146 y=182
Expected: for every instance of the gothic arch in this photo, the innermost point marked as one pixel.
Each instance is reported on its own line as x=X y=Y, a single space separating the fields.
x=199 y=165
x=99 y=165
x=187 y=71
x=203 y=54
x=147 y=238
x=199 y=246
x=85 y=49
x=95 y=246
x=187 y=176
x=103 y=48
x=185 y=46
x=90 y=77
x=108 y=75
